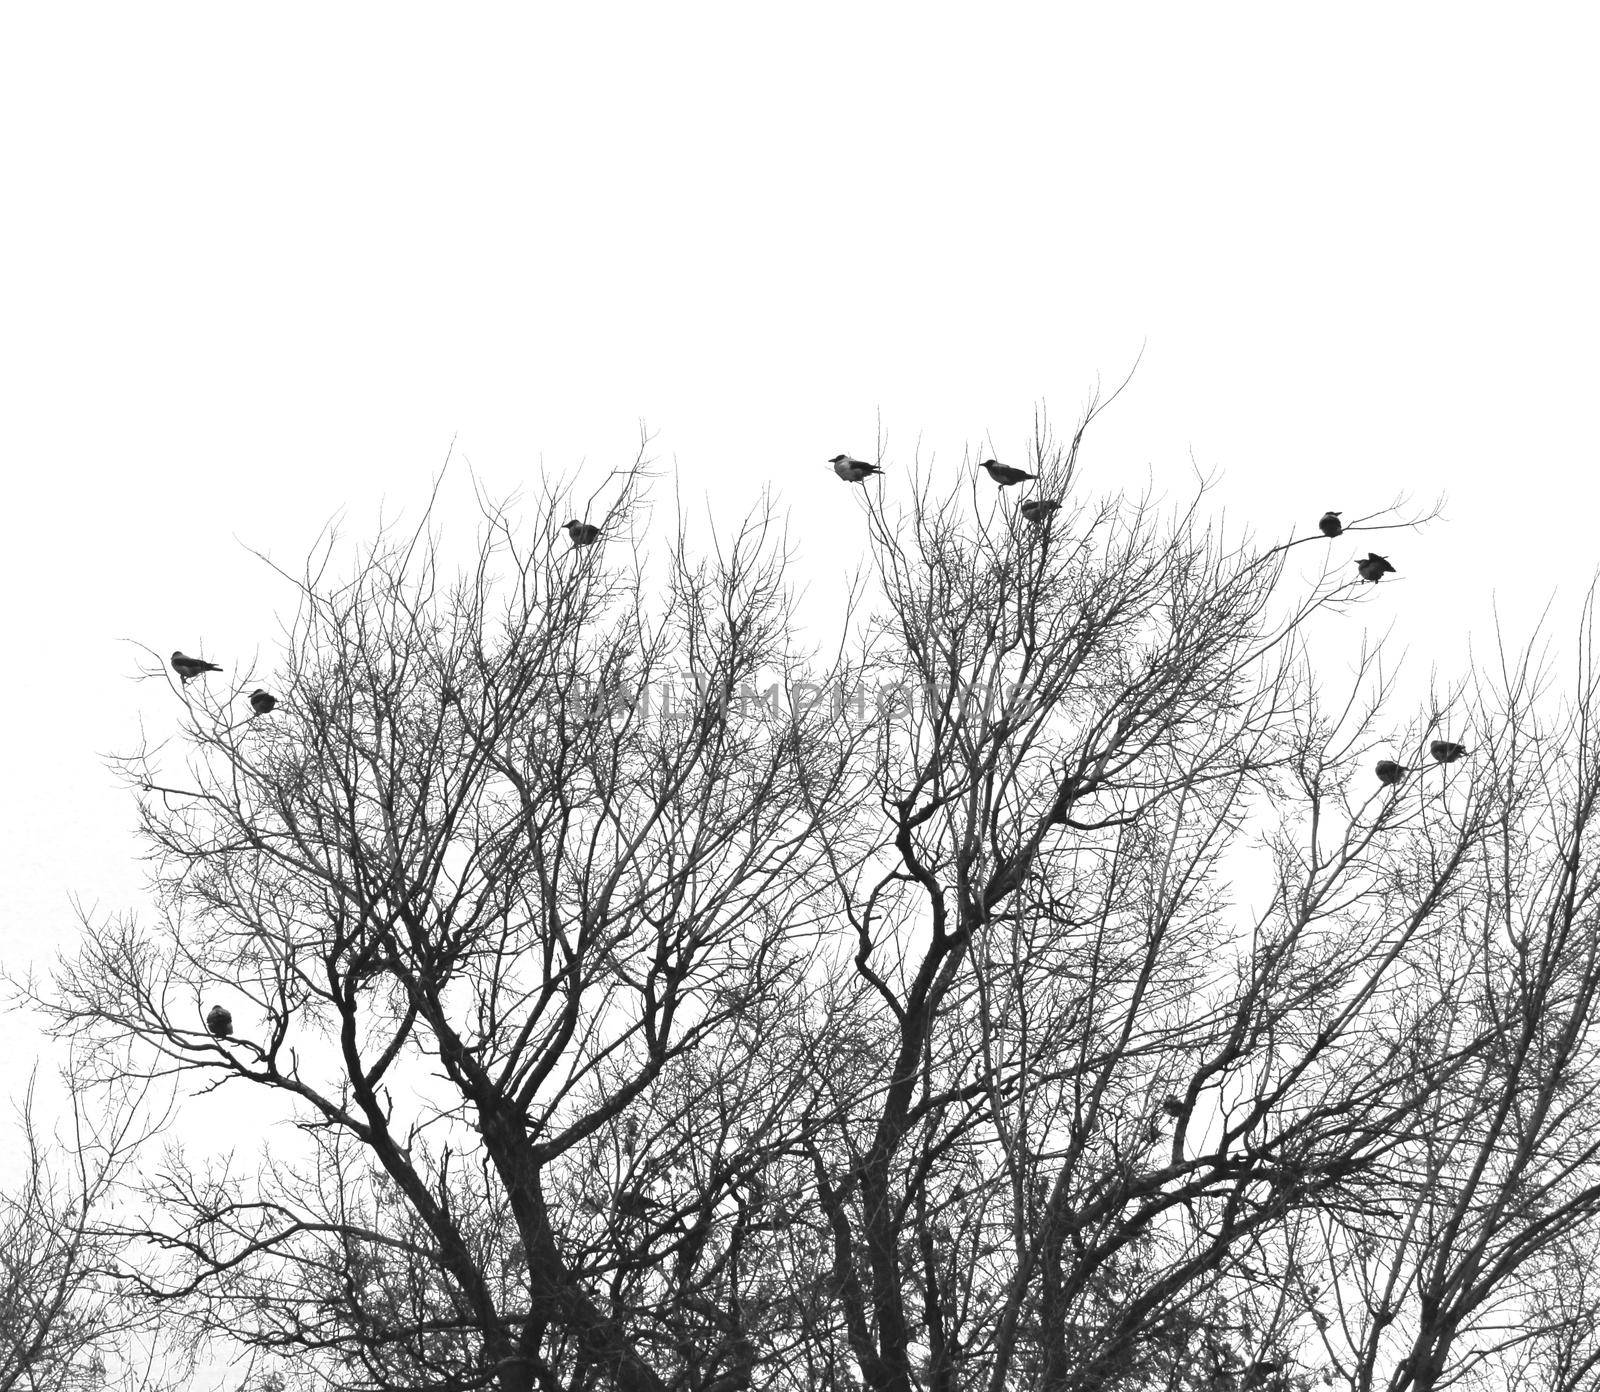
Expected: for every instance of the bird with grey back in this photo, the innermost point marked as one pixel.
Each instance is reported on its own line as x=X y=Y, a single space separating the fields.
x=1446 y=751
x=188 y=668
x=853 y=470
x=1389 y=773
x=1330 y=524
x=583 y=533
x=263 y=702
x=219 y=1021
x=1039 y=510
x=1375 y=567
x=1004 y=474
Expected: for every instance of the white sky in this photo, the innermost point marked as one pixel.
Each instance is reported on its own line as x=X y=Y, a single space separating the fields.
x=259 y=264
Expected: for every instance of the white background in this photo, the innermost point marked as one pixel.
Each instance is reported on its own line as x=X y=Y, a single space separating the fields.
x=261 y=264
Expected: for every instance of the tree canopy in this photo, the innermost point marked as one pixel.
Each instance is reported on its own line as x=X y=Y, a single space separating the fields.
x=1030 y=984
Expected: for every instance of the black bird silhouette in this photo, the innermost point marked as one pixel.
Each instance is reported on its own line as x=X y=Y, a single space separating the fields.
x=219 y=1021
x=1172 y=1106
x=1004 y=474
x=1389 y=772
x=583 y=533
x=1038 y=510
x=1375 y=567
x=191 y=667
x=1330 y=524
x=633 y=1202
x=1446 y=751
x=853 y=470
x=263 y=702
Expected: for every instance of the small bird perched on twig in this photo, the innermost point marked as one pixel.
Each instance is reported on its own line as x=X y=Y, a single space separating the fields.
x=1330 y=524
x=189 y=668
x=263 y=702
x=583 y=533
x=1038 y=510
x=1004 y=474
x=1375 y=567
x=853 y=470
x=219 y=1021
x=1446 y=751
x=1389 y=773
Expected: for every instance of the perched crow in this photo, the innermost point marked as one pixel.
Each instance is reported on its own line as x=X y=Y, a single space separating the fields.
x=1330 y=524
x=853 y=470
x=633 y=1202
x=219 y=1021
x=1446 y=751
x=263 y=702
x=1375 y=567
x=1389 y=772
x=1004 y=474
x=191 y=667
x=1172 y=1106
x=583 y=533
x=1038 y=510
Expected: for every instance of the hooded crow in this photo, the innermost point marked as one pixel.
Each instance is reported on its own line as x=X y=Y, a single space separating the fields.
x=191 y=667
x=1446 y=751
x=583 y=533
x=1330 y=524
x=263 y=702
x=1389 y=773
x=1038 y=510
x=1004 y=474
x=853 y=470
x=1375 y=567
x=219 y=1021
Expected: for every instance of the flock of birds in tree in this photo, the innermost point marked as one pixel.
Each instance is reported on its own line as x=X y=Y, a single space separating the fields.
x=1372 y=568
x=219 y=1020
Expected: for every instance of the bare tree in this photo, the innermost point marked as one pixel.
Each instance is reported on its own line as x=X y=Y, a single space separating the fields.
x=1043 y=993
x=1090 y=1084
x=1477 y=1253
x=64 y=1320
x=499 y=916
